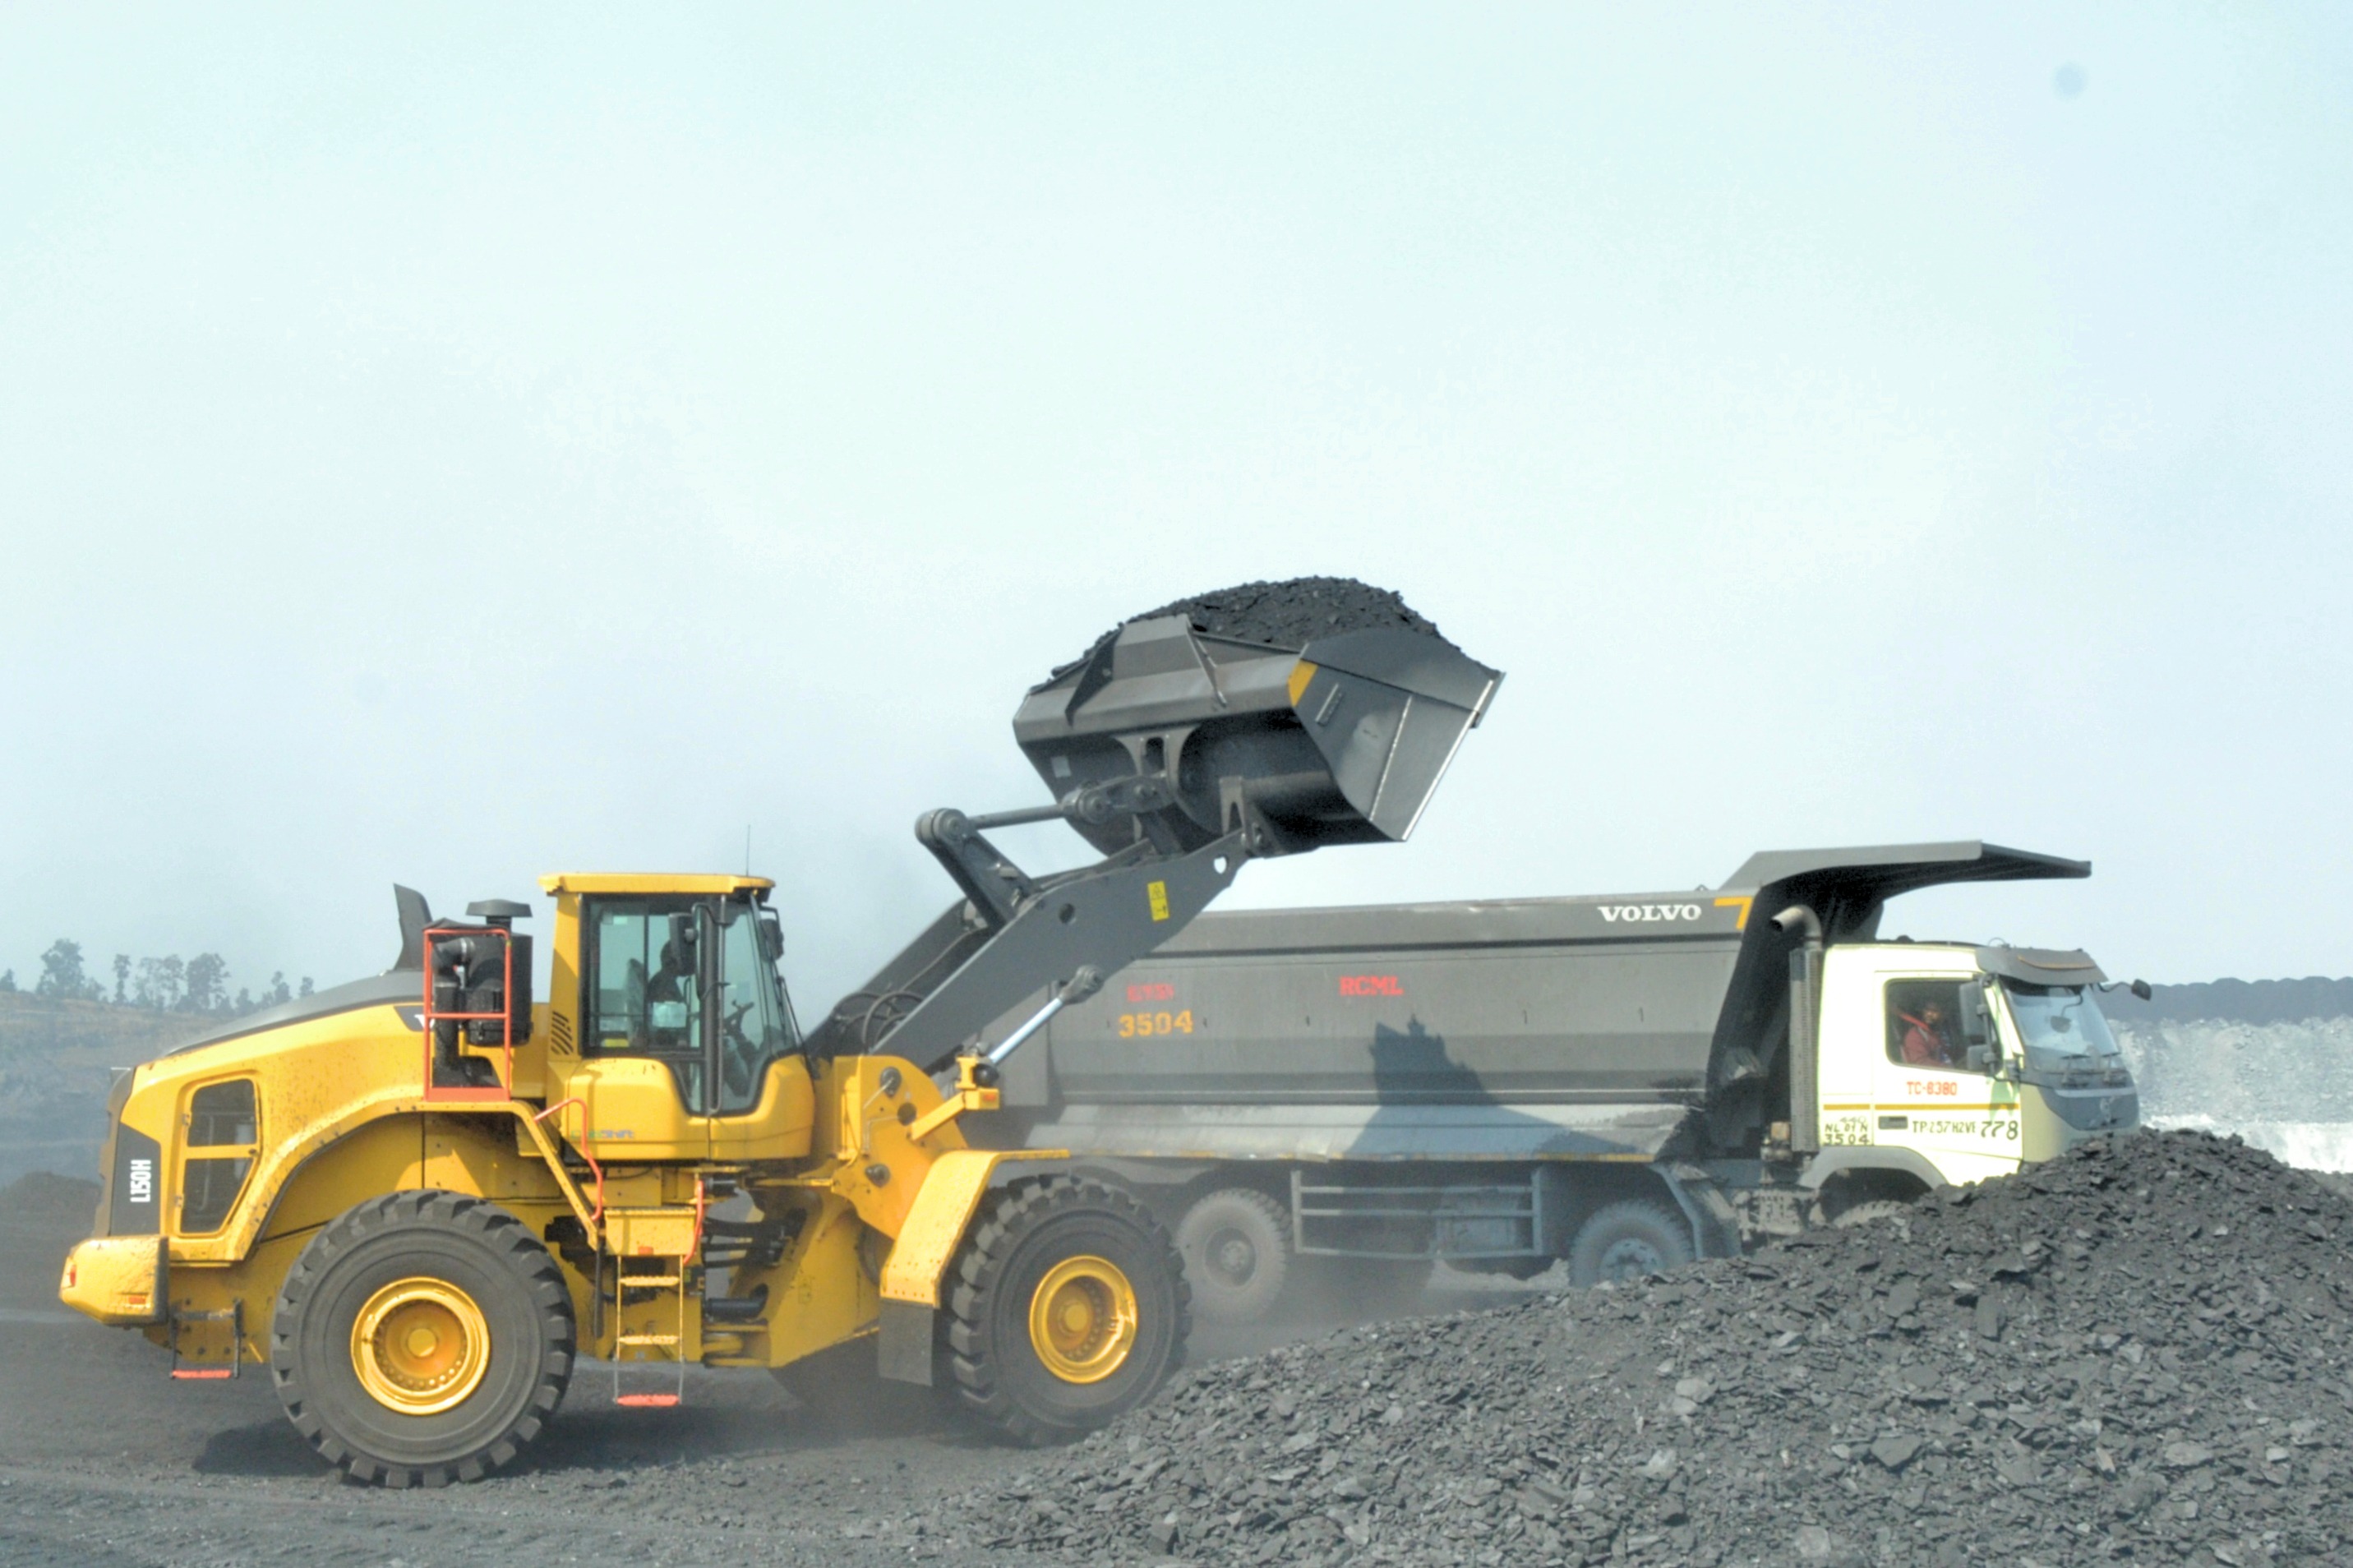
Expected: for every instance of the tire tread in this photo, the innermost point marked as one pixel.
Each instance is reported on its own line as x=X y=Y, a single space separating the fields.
x=979 y=1270
x=507 y=1238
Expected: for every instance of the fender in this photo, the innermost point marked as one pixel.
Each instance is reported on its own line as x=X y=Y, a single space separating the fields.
x=1833 y=1161
x=935 y=1227
x=291 y=1162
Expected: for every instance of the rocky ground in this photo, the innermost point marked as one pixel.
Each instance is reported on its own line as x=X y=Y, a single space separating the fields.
x=103 y=1460
x=2137 y=1355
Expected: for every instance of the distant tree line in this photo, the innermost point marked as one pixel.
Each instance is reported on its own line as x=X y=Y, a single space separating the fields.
x=173 y=985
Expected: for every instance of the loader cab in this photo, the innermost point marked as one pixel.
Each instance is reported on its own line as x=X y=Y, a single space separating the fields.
x=688 y=982
x=688 y=1048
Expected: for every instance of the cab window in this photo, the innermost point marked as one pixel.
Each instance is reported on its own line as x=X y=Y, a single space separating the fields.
x=1923 y=1024
x=644 y=998
x=655 y=964
x=753 y=1025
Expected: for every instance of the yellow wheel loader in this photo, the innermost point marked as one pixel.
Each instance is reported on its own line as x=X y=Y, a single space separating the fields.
x=418 y=1199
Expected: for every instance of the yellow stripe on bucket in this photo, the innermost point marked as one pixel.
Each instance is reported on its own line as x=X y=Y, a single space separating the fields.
x=1300 y=674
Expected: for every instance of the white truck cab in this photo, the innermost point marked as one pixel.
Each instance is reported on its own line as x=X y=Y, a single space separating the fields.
x=1957 y=1062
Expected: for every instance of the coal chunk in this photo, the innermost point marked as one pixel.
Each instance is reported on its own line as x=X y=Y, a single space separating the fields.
x=1295 y=611
x=2136 y=1352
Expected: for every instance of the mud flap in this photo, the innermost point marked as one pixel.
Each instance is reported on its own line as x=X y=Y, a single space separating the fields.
x=1715 y=1225
x=904 y=1346
x=926 y=1246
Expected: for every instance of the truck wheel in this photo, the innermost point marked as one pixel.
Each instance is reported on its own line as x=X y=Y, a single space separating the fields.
x=421 y=1338
x=1236 y=1245
x=1067 y=1309
x=1628 y=1240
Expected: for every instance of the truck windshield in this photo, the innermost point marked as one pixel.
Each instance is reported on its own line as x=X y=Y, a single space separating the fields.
x=2059 y=1025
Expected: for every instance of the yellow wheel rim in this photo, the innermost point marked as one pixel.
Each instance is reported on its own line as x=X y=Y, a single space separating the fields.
x=420 y=1346
x=1082 y=1320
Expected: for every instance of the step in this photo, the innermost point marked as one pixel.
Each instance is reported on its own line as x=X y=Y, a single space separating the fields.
x=647 y=1401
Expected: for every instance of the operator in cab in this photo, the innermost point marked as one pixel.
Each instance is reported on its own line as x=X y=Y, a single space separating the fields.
x=1926 y=1041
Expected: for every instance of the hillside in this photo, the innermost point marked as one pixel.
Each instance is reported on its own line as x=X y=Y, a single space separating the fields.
x=56 y=1062
x=2231 y=1001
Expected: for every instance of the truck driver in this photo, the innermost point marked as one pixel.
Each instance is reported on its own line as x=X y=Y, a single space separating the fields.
x=1926 y=1042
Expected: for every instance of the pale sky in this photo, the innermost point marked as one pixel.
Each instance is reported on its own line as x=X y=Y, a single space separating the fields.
x=450 y=445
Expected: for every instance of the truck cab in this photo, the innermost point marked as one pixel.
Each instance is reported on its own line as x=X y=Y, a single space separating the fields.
x=1957 y=1062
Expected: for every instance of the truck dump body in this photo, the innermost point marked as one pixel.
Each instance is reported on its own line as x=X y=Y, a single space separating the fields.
x=1560 y=1028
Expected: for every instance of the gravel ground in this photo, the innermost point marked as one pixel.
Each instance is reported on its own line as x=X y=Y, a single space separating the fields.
x=104 y=1459
x=2133 y=1354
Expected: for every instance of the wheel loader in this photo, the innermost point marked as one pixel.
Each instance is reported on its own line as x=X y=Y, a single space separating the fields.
x=419 y=1199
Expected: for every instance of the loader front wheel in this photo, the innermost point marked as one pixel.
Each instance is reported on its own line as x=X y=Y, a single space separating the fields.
x=422 y=1338
x=1068 y=1307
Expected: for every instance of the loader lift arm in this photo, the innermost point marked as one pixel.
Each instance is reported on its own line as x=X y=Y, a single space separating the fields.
x=1180 y=755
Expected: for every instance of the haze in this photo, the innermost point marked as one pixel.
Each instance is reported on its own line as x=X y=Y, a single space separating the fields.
x=450 y=446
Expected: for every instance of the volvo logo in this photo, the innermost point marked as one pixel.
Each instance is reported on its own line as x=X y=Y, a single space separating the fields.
x=1640 y=912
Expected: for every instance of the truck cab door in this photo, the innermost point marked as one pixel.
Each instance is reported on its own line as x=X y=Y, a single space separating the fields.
x=1927 y=1094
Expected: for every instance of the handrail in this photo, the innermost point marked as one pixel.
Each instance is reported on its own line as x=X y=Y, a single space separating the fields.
x=594 y=1169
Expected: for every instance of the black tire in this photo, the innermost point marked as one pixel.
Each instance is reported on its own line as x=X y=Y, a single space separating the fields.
x=1025 y=1233
x=1236 y=1243
x=461 y=1244
x=1628 y=1240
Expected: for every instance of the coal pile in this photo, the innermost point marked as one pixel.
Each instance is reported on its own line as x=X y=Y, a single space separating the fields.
x=1295 y=611
x=2135 y=1353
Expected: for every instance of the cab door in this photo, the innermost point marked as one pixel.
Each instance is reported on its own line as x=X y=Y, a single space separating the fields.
x=1926 y=1096
x=763 y=1104
x=648 y=1035
x=690 y=1052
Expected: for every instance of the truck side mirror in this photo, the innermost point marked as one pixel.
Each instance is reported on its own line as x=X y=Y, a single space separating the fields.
x=2140 y=989
x=1977 y=1020
x=772 y=938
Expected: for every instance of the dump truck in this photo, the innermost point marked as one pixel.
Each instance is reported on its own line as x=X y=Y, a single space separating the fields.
x=1622 y=1082
x=419 y=1199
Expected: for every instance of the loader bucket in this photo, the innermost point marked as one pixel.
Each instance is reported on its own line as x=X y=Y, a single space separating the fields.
x=1336 y=738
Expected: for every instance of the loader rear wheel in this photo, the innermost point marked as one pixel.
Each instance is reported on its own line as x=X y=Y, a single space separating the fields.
x=422 y=1338
x=1628 y=1240
x=1236 y=1243
x=1068 y=1307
